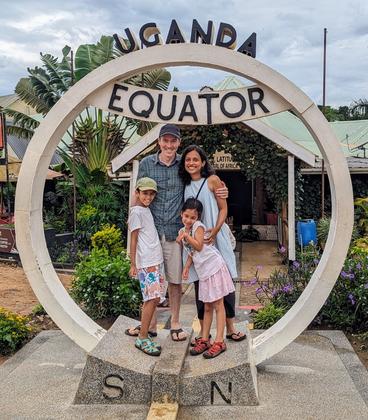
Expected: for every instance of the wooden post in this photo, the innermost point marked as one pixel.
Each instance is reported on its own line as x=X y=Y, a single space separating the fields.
x=291 y=207
x=132 y=182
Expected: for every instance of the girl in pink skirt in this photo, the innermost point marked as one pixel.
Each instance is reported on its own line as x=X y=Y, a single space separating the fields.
x=215 y=281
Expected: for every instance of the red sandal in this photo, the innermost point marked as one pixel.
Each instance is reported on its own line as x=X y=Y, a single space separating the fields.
x=215 y=350
x=200 y=346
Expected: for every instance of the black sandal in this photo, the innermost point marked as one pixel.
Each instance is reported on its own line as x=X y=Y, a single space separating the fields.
x=236 y=334
x=177 y=332
x=137 y=329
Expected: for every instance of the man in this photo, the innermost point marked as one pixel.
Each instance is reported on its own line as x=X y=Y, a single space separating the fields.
x=163 y=168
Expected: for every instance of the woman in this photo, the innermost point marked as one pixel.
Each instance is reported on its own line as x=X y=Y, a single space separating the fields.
x=201 y=182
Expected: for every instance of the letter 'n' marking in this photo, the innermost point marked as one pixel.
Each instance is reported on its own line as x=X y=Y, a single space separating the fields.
x=214 y=385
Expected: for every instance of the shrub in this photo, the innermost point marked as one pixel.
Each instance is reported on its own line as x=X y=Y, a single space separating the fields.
x=360 y=247
x=109 y=238
x=347 y=305
x=13 y=331
x=268 y=316
x=38 y=310
x=103 y=286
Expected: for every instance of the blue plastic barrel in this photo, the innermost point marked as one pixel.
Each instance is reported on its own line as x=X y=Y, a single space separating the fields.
x=307 y=232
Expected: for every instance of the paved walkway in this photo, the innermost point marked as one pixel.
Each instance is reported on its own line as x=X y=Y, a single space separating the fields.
x=261 y=255
x=317 y=377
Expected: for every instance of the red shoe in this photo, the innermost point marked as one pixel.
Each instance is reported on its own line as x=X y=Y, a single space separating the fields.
x=216 y=349
x=200 y=346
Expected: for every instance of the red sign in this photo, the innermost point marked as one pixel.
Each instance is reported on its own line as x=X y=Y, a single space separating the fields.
x=1 y=132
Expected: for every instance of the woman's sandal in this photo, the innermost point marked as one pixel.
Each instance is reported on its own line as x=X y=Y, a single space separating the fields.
x=134 y=332
x=147 y=346
x=236 y=336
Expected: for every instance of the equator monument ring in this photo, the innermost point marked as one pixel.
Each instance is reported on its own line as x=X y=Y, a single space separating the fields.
x=96 y=89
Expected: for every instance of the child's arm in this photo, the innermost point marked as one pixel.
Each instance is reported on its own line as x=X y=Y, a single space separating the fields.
x=133 y=251
x=186 y=268
x=197 y=241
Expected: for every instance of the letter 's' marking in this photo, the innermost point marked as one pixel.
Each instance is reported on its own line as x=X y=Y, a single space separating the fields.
x=109 y=385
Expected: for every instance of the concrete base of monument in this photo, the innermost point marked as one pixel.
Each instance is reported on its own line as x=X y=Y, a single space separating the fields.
x=118 y=373
x=229 y=379
x=318 y=376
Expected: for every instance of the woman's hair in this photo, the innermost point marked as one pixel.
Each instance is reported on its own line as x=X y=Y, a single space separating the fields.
x=207 y=169
x=193 y=204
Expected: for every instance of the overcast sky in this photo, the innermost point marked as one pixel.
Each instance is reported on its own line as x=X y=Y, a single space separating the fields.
x=289 y=36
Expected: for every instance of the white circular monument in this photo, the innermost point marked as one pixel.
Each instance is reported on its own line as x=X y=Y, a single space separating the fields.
x=89 y=91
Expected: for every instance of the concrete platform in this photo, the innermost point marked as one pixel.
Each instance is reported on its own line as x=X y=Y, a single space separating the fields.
x=317 y=377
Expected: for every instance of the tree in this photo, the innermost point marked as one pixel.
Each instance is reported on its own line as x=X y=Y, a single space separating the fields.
x=98 y=137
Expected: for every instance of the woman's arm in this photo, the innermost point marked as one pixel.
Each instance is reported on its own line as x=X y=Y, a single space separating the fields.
x=186 y=268
x=214 y=182
x=197 y=241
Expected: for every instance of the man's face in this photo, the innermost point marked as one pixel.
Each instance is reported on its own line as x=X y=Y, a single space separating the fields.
x=169 y=145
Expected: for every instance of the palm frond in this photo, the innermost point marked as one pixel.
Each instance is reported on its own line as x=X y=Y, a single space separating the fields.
x=27 y=93
x=23 y=125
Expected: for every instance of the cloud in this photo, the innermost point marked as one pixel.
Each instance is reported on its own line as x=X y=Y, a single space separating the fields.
x=289 y=36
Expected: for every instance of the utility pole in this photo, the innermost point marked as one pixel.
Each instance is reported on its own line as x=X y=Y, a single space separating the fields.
x=323 y=110
x=4 y=144
x=73 y=153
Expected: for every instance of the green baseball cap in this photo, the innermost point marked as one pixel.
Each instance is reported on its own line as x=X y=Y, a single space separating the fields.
x=145 y=184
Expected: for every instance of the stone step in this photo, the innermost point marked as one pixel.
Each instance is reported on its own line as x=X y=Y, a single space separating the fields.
x=228 y=379
x=116 y=372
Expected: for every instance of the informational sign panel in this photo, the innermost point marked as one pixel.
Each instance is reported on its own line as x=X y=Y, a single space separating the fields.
x=224 y=161
x=195 y=108
x=2 y=140
x=7 y=240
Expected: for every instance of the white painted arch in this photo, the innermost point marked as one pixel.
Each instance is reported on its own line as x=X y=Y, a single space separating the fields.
x=29 y=227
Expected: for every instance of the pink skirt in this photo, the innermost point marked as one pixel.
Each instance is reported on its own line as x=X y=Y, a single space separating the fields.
x=216 y=286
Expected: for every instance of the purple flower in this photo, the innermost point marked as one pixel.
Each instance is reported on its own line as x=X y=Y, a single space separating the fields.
x=296 y=264
x=359 y=266
x=253 y=281
x=344 y=274
x=366 y=286
x=282 y=249
x=316 y=261
x=351 y=298
x=259 y=290
x=351 y=276
x=287 y=288
x=275 y=292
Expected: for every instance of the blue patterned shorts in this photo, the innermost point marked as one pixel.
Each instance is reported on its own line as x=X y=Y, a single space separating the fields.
x=152 y=282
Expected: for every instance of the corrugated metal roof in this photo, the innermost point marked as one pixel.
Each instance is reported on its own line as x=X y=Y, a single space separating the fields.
x=351 y=134
x=19 y=146
x=7 y=100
